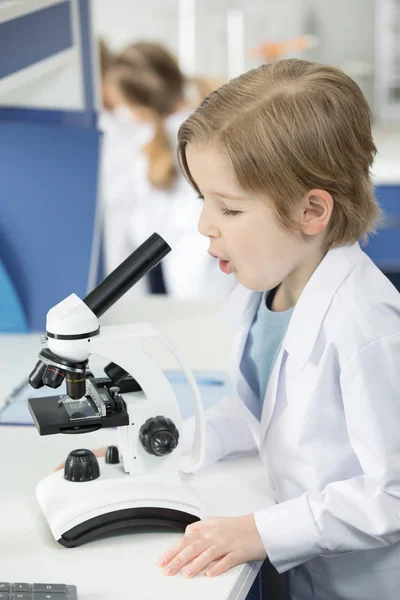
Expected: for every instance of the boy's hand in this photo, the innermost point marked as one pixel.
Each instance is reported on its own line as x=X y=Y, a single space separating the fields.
x=99 y=452
x=224 y=542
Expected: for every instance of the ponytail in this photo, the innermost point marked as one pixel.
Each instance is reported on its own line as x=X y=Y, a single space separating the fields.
x=162 y=171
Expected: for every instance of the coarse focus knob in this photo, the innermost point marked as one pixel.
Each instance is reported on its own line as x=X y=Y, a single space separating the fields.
x=159 y=436
x=81 y=465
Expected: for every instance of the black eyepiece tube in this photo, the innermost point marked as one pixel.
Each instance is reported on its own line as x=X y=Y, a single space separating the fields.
x=144 y=258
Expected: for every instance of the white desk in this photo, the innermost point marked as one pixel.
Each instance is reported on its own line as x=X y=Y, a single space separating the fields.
x=120 y=567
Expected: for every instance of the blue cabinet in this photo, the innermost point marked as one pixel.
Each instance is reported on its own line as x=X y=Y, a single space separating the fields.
x=384 y=246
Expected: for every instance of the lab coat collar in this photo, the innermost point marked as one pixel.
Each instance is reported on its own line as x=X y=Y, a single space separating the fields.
x=315 y=300
x=310 y=309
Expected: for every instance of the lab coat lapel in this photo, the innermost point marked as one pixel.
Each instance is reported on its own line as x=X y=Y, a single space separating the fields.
x=315 y=301
x=271 y=394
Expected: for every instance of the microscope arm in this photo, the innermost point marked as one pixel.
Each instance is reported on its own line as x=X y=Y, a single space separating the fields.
x=125 y=346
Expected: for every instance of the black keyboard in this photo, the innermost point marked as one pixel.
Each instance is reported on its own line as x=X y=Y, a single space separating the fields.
x=37 y=591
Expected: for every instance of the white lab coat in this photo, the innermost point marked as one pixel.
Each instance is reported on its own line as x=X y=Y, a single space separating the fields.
x=329 y=433
x=134 y=209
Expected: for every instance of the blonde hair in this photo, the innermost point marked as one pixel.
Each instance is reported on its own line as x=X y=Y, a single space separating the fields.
x=148 y=76
x=290 y=127
x=105 y=56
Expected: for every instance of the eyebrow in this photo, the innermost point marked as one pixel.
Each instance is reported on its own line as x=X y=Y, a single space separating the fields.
x=228 y=195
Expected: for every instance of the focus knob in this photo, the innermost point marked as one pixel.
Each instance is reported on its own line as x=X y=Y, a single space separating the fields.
x=112 y=455
x=81 y=465
x=159 y=436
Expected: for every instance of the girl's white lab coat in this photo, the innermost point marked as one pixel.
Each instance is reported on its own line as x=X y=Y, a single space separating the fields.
x=134 y=209
x=329 y=433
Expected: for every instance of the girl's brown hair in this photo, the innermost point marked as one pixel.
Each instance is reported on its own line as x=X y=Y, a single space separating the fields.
x=290 y=127
x=105 y=56
x=149 y=76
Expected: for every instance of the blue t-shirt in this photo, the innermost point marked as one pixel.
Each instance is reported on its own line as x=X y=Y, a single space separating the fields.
x=262 y=345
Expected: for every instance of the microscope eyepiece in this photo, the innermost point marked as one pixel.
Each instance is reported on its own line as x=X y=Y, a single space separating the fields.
x=144 y=258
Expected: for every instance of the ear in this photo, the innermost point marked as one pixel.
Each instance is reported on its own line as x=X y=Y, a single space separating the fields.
x=315 y=211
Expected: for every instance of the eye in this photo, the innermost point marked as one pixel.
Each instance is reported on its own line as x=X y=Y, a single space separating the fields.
x=230 y=213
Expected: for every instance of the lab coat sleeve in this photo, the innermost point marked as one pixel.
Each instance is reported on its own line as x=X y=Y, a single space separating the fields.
x=227 y=432
x=363 y=512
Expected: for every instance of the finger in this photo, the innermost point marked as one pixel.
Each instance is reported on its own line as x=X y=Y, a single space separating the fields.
x=60 y=466
x=186 y=556
x=173 y=551
x=204 y=560
x=214 y=562
x=99 y=452
x=192 y=534
x=227 y=562
x=194 y=527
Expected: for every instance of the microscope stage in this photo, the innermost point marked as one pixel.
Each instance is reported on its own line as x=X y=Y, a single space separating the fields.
x=50 y=416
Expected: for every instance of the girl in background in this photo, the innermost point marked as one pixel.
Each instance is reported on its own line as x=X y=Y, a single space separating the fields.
x=118 y=128
x=144 y=190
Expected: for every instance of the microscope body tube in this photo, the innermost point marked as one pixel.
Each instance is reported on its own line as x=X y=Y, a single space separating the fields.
x=113 y=287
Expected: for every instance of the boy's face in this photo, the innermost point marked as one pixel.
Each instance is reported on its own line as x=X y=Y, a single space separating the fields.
x=241 y=226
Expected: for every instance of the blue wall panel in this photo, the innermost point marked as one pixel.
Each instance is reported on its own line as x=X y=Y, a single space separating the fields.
x=48 y=192
x=384 y=247
x=36 y=36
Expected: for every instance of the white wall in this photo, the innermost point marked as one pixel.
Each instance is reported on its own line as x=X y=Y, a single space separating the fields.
x=345 y=28
x=52 y=83
x=123 y=21
x=55 y=83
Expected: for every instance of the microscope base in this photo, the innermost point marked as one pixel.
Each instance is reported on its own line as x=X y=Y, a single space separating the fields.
x=79 y=512
x=123 y=520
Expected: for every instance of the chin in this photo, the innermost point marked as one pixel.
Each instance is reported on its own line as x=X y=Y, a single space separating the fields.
x=251 y=284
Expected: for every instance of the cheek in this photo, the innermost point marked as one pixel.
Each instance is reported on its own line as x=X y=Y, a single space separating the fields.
x=255 y=240
x=263 y=257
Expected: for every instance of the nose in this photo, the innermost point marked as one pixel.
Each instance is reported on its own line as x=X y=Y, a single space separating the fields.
x=206 y=225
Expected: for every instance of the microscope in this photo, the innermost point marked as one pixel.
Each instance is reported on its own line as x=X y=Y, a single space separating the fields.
x=141 y=480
